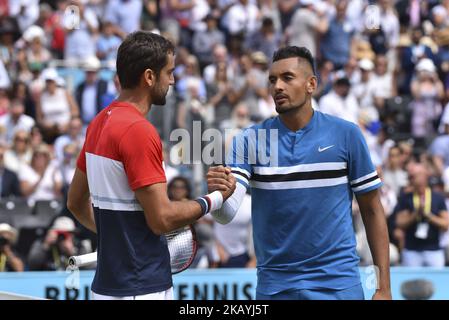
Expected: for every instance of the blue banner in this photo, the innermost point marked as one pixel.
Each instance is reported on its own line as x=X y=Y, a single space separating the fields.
x=205 y=284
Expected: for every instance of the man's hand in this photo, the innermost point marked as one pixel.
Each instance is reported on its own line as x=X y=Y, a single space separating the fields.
x=382 y=295
x=220 y=178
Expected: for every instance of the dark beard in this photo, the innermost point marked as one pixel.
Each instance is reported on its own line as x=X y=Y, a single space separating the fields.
x=159 y=100
x=292 y=109
x=158 y=96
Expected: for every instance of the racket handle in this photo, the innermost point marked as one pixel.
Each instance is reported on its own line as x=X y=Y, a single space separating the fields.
x=82 y=260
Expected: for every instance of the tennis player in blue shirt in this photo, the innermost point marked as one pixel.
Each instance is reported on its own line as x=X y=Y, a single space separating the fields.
x=302 y=196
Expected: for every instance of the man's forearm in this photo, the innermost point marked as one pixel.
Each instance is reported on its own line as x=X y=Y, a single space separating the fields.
x=378 y=240
x=78 y=200
x=84 y=213
x=230 y=206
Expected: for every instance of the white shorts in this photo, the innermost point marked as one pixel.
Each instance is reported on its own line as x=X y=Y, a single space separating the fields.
x=163 y=295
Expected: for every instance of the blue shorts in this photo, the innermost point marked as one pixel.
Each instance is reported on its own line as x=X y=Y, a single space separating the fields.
x=352 y=293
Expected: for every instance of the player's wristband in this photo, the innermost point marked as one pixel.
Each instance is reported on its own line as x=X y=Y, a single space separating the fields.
x=210 y=202
x=215 y=200
x=203 y=203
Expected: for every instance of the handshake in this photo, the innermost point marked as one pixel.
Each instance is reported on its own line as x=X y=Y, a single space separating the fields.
x=221 y=179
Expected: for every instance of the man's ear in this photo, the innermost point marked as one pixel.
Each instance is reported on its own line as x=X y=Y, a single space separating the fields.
x=311 y=85
x=149 y=77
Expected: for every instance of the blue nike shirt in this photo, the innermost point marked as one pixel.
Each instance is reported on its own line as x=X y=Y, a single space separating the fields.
x=302 y=186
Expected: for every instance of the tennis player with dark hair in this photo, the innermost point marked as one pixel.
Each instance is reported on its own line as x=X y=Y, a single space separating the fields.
x=119 y=189
x=301 y=205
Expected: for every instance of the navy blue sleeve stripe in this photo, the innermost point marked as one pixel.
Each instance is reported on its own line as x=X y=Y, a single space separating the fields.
x=295 y=176
x=240 y=174
x=361 y=183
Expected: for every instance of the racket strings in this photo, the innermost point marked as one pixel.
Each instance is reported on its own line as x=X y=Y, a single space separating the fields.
x=181 y=246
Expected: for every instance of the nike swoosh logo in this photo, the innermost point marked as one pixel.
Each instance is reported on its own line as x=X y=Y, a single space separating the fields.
x=324 y=149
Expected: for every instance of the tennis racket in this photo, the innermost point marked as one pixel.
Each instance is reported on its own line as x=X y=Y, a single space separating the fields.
x=182 y=246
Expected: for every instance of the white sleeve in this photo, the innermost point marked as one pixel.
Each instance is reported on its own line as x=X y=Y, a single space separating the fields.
x=230 y=206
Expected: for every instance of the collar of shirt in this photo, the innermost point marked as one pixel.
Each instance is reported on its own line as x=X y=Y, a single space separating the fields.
x=284 y=130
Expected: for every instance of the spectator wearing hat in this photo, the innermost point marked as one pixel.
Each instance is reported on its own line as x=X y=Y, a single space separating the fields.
x=9 y=182
x=89 y=94
x=36 y=53
x=410 y=57
x=266 y=104
x=205 y=41
x=55 y=107
x=363 y=89
x=52 y=252
x=340 y=102
x=427 y=91
x=41 y=180
x=9 y=260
